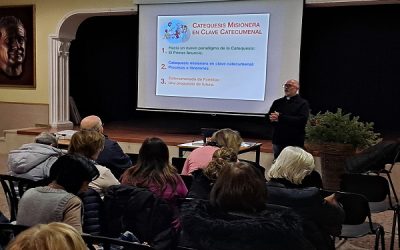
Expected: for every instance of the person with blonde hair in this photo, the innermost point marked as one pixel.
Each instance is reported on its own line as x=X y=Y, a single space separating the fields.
x=293 y=166
x=90 y=143
x=204 y=179
x=200 y=157
x=52 y=236
x=323 y=217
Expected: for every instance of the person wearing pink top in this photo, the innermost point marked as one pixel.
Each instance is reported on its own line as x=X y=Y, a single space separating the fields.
x=153 y=171
x=200 y=157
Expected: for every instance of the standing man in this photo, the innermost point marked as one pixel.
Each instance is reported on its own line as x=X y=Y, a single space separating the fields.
x=112 y=155
x=288 y=116
x=12 y=45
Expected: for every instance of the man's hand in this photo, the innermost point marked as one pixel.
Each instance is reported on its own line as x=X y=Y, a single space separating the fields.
x=274 y=117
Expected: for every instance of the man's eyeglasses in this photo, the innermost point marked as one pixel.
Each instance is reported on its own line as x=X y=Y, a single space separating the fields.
x=286 y=85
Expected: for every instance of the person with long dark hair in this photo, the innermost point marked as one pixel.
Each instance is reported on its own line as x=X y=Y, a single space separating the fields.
x=154 y=171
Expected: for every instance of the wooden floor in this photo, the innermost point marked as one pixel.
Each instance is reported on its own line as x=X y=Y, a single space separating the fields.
x=129 y=132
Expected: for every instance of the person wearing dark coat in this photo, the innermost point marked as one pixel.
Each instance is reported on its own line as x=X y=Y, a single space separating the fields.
x=237 y=217
x=322 y=217
x=141 y=212
x=288 y=116
x=112 y=156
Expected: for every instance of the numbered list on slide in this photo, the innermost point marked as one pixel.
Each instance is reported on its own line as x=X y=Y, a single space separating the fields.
x=212 y=56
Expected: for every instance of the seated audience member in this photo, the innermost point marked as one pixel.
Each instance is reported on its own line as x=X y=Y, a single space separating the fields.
x=204 y=179
x=112 y=155
x=200 y=157
x=90 y=143
x=141 y=212
x=237 y=217
x=52 y=236
x=153 y=171
x=322 y=217
x=33 y=160
x=58 y=202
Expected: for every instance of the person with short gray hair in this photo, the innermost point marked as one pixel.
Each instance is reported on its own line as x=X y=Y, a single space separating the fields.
x=33 y=160
x=47 y=139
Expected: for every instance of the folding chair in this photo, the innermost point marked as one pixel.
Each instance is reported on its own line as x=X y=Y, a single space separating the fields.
x=178 y=163
x=9 y=231
x=187 y=179
x=387 y=170
x=376 y=190
x=357 y=212
x=106 y=243
x=133 y=157
x=14 y=187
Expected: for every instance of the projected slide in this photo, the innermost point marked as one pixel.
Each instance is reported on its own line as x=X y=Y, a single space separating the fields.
x=212 y=56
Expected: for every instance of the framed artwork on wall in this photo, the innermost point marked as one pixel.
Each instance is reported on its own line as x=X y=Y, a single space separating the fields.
x=17 y=46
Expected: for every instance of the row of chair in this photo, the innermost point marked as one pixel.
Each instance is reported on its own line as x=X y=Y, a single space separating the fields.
x=361 y=195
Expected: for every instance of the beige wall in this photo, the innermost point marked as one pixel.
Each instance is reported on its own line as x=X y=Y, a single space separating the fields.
x=17 y=115
x=27 y=107
x=49 y=13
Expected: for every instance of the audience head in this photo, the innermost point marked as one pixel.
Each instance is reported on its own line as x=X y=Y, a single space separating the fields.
x=73 y=172
x=52 y=236
x=227 y=138
x=220 y=158
x=92 y=122
x=88 y=143
x=152 y=166
x=239 y=188
x=292 y=164
x=153 y=152
x=47 y=139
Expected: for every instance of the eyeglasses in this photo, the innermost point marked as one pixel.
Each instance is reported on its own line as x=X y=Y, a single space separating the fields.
x=288 y=85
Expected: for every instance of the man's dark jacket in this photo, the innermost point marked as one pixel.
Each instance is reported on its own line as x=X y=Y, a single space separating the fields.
x=114 y=158
x=141 y=212
x=293 y=115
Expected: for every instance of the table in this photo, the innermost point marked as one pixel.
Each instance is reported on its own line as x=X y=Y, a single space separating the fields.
x=244 y=148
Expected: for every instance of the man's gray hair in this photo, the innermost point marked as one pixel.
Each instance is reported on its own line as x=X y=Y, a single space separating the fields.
x=46 y=138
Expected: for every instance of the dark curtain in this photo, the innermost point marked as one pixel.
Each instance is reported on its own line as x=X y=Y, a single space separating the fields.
x=349 y=60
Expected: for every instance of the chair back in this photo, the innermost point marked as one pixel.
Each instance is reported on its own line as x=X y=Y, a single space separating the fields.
x=9 y=231
x=374 y=187
x=178 y=163
x=133 y=157
x=106 y=243
x=14 y=187
x=188 y=180
x=355 y=206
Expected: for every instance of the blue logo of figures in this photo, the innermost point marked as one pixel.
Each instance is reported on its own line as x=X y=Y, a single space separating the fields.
x=175 y=31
